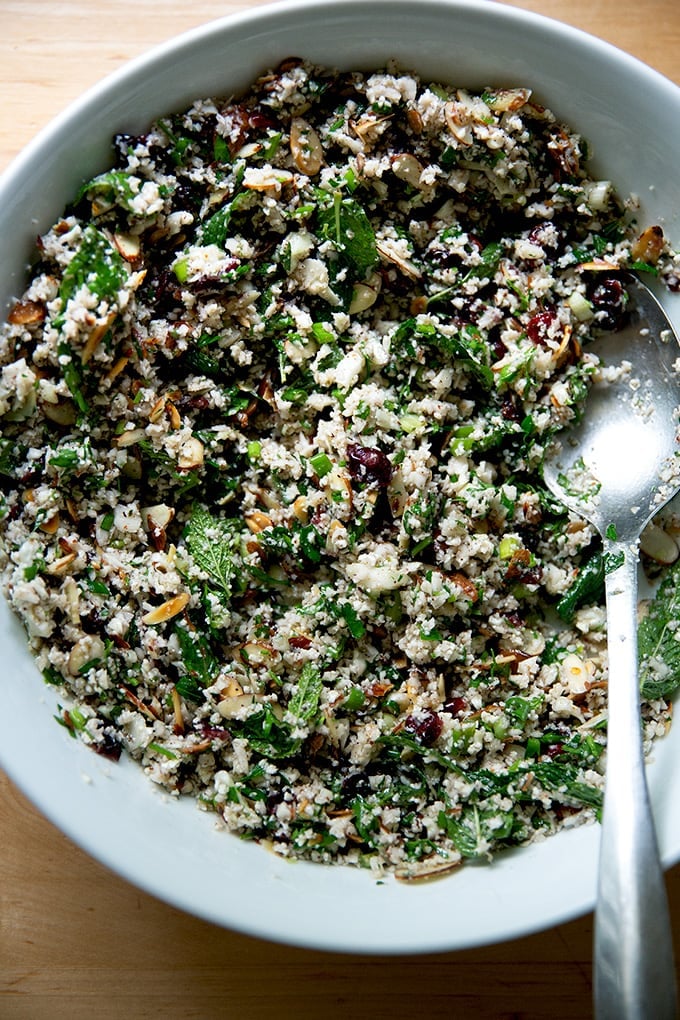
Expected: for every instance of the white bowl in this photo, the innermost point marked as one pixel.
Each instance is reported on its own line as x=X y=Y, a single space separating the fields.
x=170 y=848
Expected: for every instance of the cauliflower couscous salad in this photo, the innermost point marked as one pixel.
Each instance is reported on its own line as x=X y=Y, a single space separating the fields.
x=274 y=406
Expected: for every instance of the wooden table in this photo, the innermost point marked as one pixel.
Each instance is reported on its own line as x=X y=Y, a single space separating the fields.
x=75 y=940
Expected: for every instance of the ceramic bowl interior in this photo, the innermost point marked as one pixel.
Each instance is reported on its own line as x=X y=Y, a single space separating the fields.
x=169 y=847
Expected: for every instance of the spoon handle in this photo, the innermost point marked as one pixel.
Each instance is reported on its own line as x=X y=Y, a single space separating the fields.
x=634 y=969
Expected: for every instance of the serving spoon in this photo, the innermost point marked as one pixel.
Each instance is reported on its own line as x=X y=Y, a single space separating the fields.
x=616 y=468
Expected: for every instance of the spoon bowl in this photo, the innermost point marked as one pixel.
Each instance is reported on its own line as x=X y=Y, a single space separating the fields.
x=616 y=467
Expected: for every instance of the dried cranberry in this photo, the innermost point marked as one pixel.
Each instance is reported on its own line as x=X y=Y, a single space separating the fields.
x=368 y=464
x=553 y=750
x=547 y=235
x=608 y=298
x=456 y=706
x=510 y=408
x=214 y=732
x=109 y=747
x=425 y=727
x=539 y=327
x=299 y=641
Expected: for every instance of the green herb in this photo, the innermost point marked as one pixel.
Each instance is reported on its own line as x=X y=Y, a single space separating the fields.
x=198 y=659
x=212 y=542
x=589 y=584
x=97 y=265
x=159 y=749
x=659 y=640
x=112 y=188
x=320 y=464
x=344 y=222
x=304 y=704
x=519 y=709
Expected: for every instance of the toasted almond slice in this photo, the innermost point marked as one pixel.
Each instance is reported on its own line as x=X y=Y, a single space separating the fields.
x=157 y=411
x=50 y=525
x=257 y=521
x=509 y=100
x=61 y=565
x=301 y=510
x=415 y=121
x=305 y=147
x=191 y=454
x=458 y=124
x=648 y=246
x=95 y=338
x=178 y=724
x=129 y=437
x=231 y=707
x=128 y=246
x=166 y=611
x=257 y=653
x=426 y=870
x=387 y=251
x=26 y=313
x=407 y=168
x=173 y=415
x=117 y=367
x=599 y=266
x=659 y=545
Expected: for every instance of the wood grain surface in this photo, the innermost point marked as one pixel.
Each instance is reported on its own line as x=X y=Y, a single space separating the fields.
x=76 y=941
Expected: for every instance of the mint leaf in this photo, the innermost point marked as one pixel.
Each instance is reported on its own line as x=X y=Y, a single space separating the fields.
x=97 y=265
x=659 y=640
x=345 y=223
x=212 y=542
x=305 y=702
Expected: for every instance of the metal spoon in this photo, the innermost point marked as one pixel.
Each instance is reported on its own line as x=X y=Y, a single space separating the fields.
x=623 y=458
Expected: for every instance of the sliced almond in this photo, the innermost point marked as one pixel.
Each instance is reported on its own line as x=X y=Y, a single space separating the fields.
x=418 y=872
x=301 y=510
x=51 y=525
x=415 y=121
x=128 y=245
x=659 y=545
x=129 y=437
x=95 y=338
x=257 y=653
x=266 y=178
x=178 y=724
x=457 y=121
x=257 y=521
x=117 y=367
x=231 y=707
x=508 y=100
x=157 y=411
x=166 y=611
x=305 y=147
x=174 y=416
x=407 y=168
x=648 y=246
x=232 y=690
x=191 y=454
x=87 y=649
x=61 y=565
x=27 y=313
x=387 y=250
